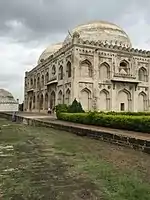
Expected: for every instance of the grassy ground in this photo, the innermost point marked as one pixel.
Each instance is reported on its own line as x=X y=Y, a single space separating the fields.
x=46 y=164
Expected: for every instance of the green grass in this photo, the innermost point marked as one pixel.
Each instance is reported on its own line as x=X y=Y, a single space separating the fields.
x=43 y=163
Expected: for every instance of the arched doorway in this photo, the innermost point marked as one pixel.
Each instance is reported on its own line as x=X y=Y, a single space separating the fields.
x=103 y=102
x=46 y=101
x=30 y=104
x=52 y=100
x=124 y=100
x=86 y=100
x=41 y=102
x=34 y=102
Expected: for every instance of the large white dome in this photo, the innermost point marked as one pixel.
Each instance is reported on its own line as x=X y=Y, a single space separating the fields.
x=6 y=97
x=50 y=50
x=101 y=31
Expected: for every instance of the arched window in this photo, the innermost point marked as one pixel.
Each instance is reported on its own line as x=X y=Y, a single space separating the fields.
x=86 y=69
x=42 y=83
x=53 y=70
x=68 y=69
x=60 y=73
x=34 y=82
x=31 y=82
x=38 y=81
x=124 y=67
x=143 y=76
x=46 y=77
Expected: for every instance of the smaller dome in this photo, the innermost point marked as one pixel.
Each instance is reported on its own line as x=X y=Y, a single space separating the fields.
x=50 y=50
x=6 y=97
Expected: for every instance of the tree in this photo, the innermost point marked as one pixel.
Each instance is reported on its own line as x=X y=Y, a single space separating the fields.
x=75 y=107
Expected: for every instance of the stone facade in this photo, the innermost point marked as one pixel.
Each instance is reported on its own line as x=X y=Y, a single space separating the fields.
x=104 y=75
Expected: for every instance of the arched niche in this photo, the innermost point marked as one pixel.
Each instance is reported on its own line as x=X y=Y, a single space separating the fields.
x=103 y=103
x=124 y=100
x=142 y=101
x=104 y=71
x=60 y=97
x=86 y=69
x=86 y=99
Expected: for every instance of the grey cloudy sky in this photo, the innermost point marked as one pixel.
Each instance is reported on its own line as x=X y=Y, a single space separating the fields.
x=29 y=26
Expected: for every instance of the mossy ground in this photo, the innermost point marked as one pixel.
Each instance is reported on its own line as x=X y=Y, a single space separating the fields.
x=46 y=164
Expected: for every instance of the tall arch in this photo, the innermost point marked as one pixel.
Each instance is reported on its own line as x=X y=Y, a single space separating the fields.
x=52 y=99
x=35 y=82
x=38 y=102
x=60 y=73
x=46 y=101
x=86 y=69
x=41 y=102
x=68 y=69
x=60 y=97
x=104 y=71
x=142 y=101
x=68 y=96
x=30 y=103
x=86 y=99
x=38 y=82
x=142 y=74
x=42 y=80
x=34 y=102
x=104 y=100
x=124 y=100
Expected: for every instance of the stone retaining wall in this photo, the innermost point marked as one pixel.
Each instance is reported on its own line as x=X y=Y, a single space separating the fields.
x=140 y=144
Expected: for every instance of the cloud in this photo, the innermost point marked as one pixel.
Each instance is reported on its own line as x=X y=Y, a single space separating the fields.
x=28 y=27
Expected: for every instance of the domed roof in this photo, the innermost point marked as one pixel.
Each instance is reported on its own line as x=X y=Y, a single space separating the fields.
x=6 y=97
x=101 y=31
x=50 y=50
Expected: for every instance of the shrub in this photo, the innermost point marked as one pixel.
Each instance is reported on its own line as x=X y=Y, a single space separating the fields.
x=61 y=108
x=75 y=107
x=127 y=113
x=133 y=123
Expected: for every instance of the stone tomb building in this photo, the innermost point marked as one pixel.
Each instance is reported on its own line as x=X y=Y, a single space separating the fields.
x=95 y=64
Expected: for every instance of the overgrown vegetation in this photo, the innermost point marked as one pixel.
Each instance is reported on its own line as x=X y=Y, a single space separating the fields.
x=39 y=163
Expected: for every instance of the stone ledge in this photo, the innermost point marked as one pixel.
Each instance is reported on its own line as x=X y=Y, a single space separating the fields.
x=123 y=140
